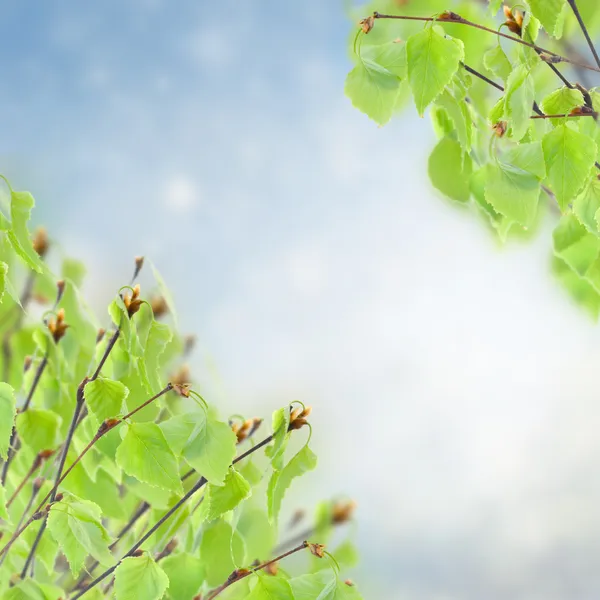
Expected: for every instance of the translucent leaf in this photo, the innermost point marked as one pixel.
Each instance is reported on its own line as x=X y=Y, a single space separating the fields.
x=76 y=526
x=580 y=290
x=3 y=513
x=548 y=12
x=209 y=446
x=280 y=426
x=7 y=417
x=432 y=60
x=222 y=499
x=140 y=577
x=575 y=245
x=496 y=61
x=105 y=397
x=165 y=292
x=519 y=96
x=458 y=112
x=145 y=455
x=570 y=158
x=587 y=205
x=513 y=188
x=185 y=573
x=268 y=587
x=38 y=429
x=221 y=551
x=47 y=547
x=32 y=590
x=373 y=89
x=561 y=102
x=322 y=585
x=159 y=336
x=74 y=270
x=280 y=481
x=3 y=280
x=449 y=170
x=21 y=204
x=258 y=533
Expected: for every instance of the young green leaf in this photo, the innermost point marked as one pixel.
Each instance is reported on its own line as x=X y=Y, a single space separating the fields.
x=145 y=455
x=575 y=245
x=149 y=364
x=258 y=533
x=223 y=498
x=38 y=428
x=570 y=157
x=221 y=551
x=3 y=512
x=21 y=204
x=104 y=398
x=30 y=589
x=140 y=577
x=7 y=417
x=432 y=60
x=587 y=205
x=76 y=526
x=450 y=170
x=185 y=573
x=561 y=102
x=268 y=587
x=496 y=61
x=548 y=12
x=280 y=426
x=280 y=481
x=519 y=97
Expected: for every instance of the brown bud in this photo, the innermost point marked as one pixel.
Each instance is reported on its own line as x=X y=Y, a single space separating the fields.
x=448 y=15
x=367 y=23
x=507 y=12
x=60 y=290
x=342 y=512
x=106 y=425
x=272 y=568
x=36 y=516
x=159 y=306
x=295 y=413
x=256 y=423
x=27 y=363
x=139 y=263
x=40 y=298
x=57 y=325
x=499 y=128
x=298 y=515
x=317 y=549
x=132 y=301
x=45 y=454
x=181 y=376
x=235 y=575
x=349 y=582
x=59 y=497
x=38 y=482
x=183 y=389
x=137 y=552
x=297 y=424
x=40 y=241
x=189 y=341
x=171 y=545
x=306 y=412
x=100 y=335
x=551 y=59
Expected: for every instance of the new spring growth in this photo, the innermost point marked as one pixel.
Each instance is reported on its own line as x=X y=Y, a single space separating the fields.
x=499 y=128
x=159 y=306
x=317 y=549
x=367 y=24
x=100 y=335
x=514 y=20
x=27 y=363
x=57 y=326
x=298 y=417
x=342 y=511
x=246 y=429
x=40 y=241
x=181 y=376
x=132 y=301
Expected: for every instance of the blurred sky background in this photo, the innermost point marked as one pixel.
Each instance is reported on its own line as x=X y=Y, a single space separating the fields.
x=454 y=386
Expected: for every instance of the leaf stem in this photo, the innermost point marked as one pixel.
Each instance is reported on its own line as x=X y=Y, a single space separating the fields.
x=239 y=575
x=575 y=9
x=457 y=19
x=109 y=347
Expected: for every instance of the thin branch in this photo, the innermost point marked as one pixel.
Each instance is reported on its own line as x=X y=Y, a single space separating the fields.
x=242 y=573
x=199 y=484
x=450 y=17
x=573 y=5
x=109 y=347
x=568 y=115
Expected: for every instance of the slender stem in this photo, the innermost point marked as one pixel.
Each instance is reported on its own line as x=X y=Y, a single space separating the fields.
x=457 y=19
x=573 y=5
x=237 y=576
x=14 y=437
x=109 y=347
x=544 y=116
x=35 y=465
x=197 y=486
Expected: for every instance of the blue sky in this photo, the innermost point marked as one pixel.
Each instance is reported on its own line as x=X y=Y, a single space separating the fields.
x=452 y=384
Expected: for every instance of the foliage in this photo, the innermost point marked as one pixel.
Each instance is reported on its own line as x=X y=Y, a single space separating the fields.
x=510 y=92
x=118 y=479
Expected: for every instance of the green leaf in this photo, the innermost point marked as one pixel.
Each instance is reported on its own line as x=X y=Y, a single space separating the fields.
x=575 y=245
x=32 y=590
x=149 y=364
x=580 y=290
x=432 y=60
x=280 y=481
x=210 y=444
x=450 y=170
x=21 y=204
x=76 y=526
x=322 y=585
x=280 y=426
x=268 y=587
x=587 y=205
x=458 y=112
x=3 y=512
x=185 y=573
x=38 y=429
x=223 y=498
x=562 y=102
x=105 y=397
x=258 y=533
x=4 y=282
x=145 y=455
x=7 y=417
x=519 y=96
x=512 y=186
x=373 y=86
x=570 y=158
x=496 y=61
x=140 y=577
x=548 y=12
x=221 y=551
x=165 y=292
